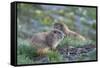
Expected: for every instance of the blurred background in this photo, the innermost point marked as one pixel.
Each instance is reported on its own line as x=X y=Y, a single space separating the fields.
x=34 y=18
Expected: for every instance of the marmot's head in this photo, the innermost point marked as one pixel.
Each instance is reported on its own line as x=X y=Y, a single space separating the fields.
x=61 y=26
x=57 y=34
x=54 y=38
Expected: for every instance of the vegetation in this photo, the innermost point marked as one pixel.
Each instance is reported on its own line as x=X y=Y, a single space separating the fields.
x=27 y=54
x=34 y=18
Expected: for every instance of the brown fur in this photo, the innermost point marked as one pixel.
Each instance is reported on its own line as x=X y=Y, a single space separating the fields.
x=43 y=41
x=67 y=31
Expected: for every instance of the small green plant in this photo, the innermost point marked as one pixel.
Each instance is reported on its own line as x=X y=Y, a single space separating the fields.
x=54 y=56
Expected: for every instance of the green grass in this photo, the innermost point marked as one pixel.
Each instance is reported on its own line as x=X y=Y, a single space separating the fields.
x=54 y=56
x=75 y=42
x=23 y=59
x=26 y=53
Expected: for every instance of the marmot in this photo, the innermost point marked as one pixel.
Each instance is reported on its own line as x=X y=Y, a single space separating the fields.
x=67 y=31
x=43 y=41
